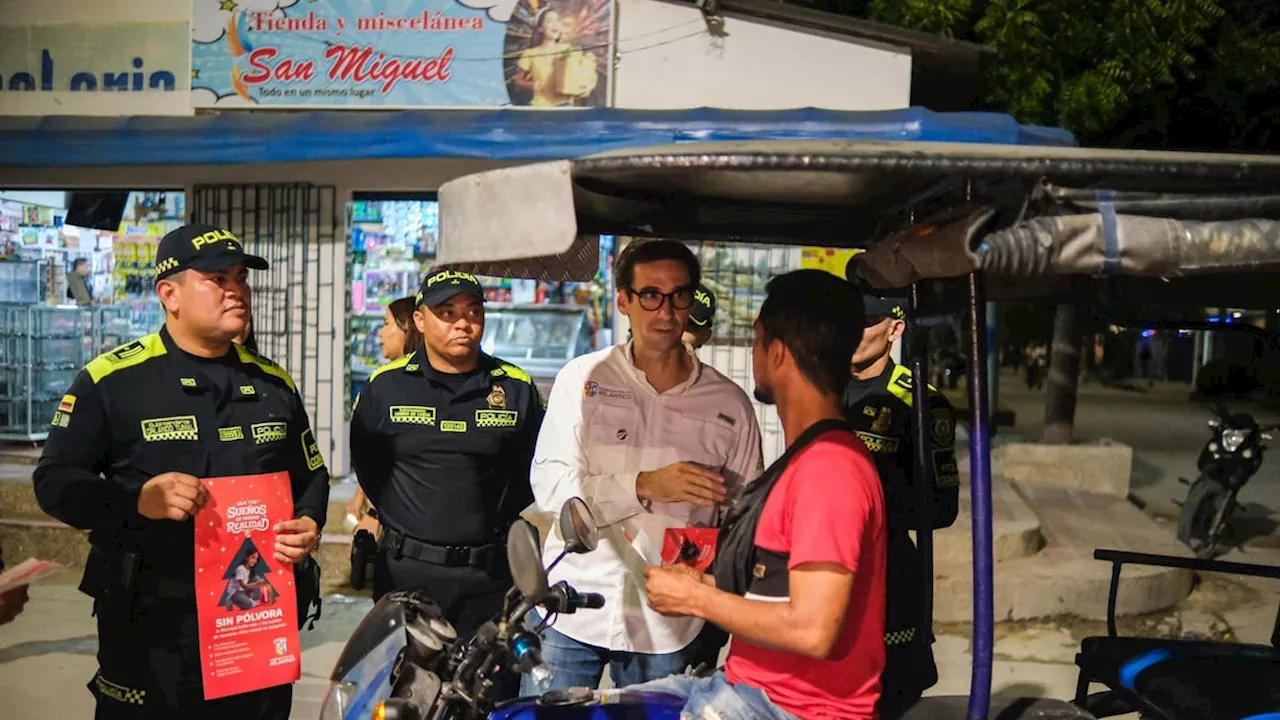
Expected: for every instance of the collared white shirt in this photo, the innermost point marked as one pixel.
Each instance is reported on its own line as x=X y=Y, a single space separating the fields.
x=604 y=425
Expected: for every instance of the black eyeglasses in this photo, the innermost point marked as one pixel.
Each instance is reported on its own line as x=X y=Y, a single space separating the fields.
x=652 y=299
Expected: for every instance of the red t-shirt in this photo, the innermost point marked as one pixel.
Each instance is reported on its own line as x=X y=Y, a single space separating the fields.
x=826 y=508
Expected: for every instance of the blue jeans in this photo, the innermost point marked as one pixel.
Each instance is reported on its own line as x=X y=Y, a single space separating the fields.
x=576 y=664
x=715 y=698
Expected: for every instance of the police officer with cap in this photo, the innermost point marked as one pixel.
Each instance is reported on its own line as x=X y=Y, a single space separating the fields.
x=128 y=448
x=441 y=441
x=698 y=329
x=878 y=404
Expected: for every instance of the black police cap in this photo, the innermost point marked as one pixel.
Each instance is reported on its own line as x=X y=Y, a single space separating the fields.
x=204 y=248
x=441 y=284
x=704 y=307
x=877 y=308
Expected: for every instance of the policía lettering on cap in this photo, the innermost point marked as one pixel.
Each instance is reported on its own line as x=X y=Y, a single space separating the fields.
x=215 y=236
x=451 y=275
x=702 y=298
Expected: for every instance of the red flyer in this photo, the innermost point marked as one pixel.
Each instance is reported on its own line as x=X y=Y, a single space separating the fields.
x=690 y=546
x=246 y=601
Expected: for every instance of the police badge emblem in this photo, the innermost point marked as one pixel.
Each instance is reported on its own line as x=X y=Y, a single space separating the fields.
x=883 y=421
x=497 y=398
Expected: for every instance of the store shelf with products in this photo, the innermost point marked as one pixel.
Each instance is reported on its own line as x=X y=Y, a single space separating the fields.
x=393 y=245
x=45 y=337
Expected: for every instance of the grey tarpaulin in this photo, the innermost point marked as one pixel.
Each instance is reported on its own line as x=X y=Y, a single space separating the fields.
x=1130 y=245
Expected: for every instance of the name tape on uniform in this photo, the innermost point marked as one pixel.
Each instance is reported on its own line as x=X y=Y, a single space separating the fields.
x=182 y=427
x=497 y=418
x=269 y=432
x=413 y=414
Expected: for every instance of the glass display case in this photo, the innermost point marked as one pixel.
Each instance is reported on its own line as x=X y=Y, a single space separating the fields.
x=539 y=339
x=41 y=350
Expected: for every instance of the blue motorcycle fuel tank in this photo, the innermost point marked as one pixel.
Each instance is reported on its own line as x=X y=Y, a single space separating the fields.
x=580 y=704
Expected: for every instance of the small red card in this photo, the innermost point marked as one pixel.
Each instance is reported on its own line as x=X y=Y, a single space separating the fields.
x=690 y=546
x=246 y=601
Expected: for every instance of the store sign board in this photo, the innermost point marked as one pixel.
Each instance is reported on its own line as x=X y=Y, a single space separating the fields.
x=412 y=54
x=73 y=58
x=832 y=260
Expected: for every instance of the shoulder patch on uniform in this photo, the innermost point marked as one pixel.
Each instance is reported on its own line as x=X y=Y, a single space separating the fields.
x=311 y=451
x=128 y=355
x=944 y=432
x=513 y=372
x=399 y=362
x=249 y=357
x=900 y=385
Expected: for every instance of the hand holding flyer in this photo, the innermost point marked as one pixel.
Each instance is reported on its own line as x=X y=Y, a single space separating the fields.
x=246 y=601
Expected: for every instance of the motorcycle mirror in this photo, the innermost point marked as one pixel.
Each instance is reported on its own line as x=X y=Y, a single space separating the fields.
x=524 y=556
x=578 y=527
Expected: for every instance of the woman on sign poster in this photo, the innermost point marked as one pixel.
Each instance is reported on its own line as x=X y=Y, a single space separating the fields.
x=555 y=53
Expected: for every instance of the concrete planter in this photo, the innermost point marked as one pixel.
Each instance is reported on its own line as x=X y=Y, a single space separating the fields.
x=1104 y=467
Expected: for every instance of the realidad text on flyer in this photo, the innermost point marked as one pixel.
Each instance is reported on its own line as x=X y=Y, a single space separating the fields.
x=246 y=602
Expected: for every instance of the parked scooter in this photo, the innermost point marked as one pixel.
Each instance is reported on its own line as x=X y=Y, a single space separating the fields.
x=1232 y=456
x=406 y=662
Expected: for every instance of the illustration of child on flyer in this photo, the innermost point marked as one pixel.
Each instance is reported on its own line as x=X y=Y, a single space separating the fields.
x=248 y=613
x=248 y=583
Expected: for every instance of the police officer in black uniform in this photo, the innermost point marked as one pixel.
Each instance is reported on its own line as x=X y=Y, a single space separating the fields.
x=129 y=444
x=878 y=404
x=441 y=440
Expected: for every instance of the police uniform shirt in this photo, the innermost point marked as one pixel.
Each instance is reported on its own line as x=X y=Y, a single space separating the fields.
x=445 y=457
x=880 y=411
x=148 y=408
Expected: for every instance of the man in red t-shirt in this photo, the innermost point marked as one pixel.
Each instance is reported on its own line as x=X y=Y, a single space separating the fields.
x=800 y=568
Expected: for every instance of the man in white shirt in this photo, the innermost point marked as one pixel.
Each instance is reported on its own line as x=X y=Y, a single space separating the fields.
x=652 y=439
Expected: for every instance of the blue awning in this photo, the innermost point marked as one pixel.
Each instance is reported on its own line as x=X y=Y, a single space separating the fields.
x=229 y=138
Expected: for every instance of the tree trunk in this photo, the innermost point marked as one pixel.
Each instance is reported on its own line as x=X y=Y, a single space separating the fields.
x=1064 y=377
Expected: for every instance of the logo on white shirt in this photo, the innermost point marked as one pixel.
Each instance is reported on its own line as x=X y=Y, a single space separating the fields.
x=594 y=389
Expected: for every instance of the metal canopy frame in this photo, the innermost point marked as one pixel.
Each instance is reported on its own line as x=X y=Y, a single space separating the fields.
x=867 y=194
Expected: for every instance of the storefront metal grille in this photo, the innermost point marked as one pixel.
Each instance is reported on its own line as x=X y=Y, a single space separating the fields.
x=295 y=228
x=736 y=273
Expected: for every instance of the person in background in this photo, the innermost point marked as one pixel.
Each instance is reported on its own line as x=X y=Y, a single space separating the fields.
x=13 y=601
x=652 y=440
x=397 y=336
x=78 y=282
x=799 y=573
x=878 y=402
x=700 y=326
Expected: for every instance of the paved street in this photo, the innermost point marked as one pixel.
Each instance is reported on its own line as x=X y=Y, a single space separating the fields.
x=1167 y=432
x=47 y=654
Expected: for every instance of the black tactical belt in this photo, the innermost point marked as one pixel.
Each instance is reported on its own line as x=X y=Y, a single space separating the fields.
x=402 y=545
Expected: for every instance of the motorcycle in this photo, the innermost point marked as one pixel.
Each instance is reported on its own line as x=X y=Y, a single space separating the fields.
x=1232 y=456
x=406 y=662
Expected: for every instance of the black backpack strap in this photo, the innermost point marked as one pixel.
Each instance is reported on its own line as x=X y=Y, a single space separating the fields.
x=735 y=543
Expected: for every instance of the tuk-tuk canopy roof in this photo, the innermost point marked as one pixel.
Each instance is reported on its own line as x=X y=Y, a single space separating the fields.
x=926 y=211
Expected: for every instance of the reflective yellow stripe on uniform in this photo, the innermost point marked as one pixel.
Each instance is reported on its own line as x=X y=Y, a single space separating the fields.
x=128 y=355
x=394 y=364
x=249 y=357
x=900 y=384
x=513 y=372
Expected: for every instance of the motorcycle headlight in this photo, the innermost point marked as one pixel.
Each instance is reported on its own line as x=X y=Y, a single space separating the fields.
x=1233 y=438
x=338 y=700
